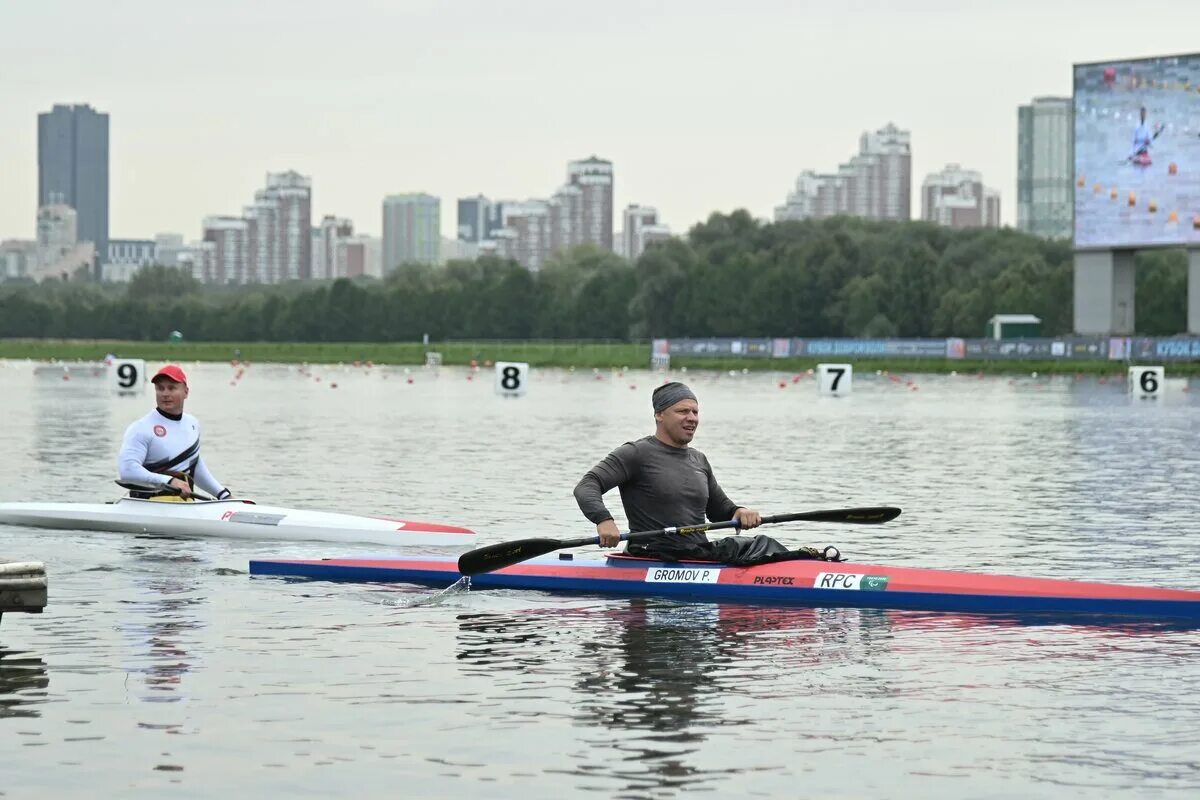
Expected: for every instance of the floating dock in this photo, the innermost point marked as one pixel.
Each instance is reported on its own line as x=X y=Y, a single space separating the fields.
x=22 y=587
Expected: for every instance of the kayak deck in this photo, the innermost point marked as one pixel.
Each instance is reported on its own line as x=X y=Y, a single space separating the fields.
x=808 y=583
x=236 y=518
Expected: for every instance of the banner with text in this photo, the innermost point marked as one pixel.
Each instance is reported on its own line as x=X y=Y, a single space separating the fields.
x=1083 y=348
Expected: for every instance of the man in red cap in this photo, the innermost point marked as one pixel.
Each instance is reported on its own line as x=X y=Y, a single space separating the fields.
x=161 y=451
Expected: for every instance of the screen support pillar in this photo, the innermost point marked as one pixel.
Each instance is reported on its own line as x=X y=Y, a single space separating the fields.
x=1104 y=292
x=1193 y=291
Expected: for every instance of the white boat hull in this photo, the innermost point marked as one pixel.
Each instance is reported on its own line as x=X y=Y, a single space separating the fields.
x=231 y=519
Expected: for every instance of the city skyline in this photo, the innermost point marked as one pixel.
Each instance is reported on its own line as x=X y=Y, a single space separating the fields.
x=874 y=183
x=696 y=120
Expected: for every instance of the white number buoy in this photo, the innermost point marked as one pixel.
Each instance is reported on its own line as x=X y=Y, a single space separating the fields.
x=512 y=378
x=128 y=376
x=835 y=380
x=1147 y=382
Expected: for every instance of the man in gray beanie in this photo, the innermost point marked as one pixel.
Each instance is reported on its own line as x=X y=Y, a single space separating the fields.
x=665 y=483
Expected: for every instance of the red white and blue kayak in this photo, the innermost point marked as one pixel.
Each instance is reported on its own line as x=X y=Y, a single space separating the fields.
x=805 y=583
x=236 y=518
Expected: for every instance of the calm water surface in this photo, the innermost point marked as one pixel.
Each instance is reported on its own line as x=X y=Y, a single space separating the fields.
x=160 y=669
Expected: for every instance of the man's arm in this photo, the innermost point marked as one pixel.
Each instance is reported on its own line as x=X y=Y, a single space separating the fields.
x=617 y=467
x=206 y=481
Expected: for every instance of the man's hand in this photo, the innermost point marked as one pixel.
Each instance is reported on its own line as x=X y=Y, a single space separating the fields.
x=747 y=518
x=610 y=534
x=181 y=486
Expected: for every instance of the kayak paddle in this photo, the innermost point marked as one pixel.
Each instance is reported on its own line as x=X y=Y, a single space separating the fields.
x=203 y=497
x=505 y=554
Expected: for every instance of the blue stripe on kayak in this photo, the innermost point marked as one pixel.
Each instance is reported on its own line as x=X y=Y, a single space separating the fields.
x=744 y=593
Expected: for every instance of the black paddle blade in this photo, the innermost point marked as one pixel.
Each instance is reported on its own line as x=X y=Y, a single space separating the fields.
x=505 y=554
x=870 y=515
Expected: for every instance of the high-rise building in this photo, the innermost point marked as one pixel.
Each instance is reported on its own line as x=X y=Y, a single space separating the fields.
x=594 y=177
x=198 y=260
x=73 y=167
x=291 y=194
x=883 y=189
x=530 y=231
x=1045 y=168
x=875 y=184
x=261 y=265
x=641 y=228
x=229 y=238
x=274 y=235
x=814 y=197
x=412 y=230
x=495 y=217
x=357 y=256
x=957 y=198
x=566 y=217
x=325 y=239
x=18 y=258
x=458 y=250
x=473 y=218
x=57 y=228
x=167 y=247
x=60 y=253
x=529 y=222
x=125 y=257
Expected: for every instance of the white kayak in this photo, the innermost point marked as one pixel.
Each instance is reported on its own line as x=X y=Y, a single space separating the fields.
x=236 y=518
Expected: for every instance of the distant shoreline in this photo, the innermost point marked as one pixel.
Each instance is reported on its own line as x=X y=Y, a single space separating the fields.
x=595 y=355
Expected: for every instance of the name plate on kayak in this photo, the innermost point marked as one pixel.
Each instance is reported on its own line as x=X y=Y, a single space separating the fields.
x=850 y=580
x=253 y=518
x=683 y=575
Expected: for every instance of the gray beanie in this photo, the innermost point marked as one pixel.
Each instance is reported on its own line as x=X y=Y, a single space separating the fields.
x=669 y=394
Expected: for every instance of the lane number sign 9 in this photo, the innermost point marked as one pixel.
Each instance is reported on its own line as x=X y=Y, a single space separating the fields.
x=127 y=376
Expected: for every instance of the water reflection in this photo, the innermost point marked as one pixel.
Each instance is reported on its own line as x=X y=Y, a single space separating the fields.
x=166 y=611
x=653 y=679
x=23 y=681
x=667 y=661
x=655 y=684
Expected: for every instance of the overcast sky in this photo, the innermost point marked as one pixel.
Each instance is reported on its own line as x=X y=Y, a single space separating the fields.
x=702 y=105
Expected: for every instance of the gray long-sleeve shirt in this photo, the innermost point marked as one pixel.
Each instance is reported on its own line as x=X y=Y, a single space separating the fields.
x=661 y=487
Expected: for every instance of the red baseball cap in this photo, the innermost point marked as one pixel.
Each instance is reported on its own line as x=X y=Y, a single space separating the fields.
x=171 y=371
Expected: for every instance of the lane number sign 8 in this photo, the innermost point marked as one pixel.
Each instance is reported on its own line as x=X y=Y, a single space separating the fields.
x=512 y=378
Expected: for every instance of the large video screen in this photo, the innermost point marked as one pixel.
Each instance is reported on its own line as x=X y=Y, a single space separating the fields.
x=1137 y=152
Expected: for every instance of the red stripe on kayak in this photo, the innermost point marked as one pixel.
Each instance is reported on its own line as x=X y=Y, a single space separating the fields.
x=409 y=525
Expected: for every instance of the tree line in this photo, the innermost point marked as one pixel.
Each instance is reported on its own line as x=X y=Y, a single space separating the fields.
x=730 y=276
